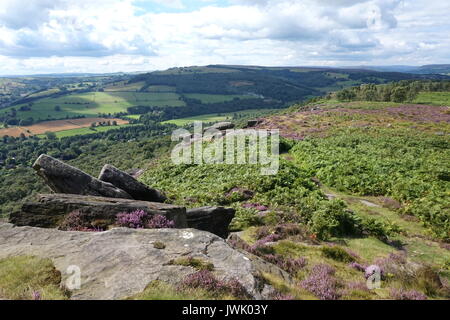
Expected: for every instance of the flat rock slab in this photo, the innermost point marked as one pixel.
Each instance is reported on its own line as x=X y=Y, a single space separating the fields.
x=63 y=178
x=136 y=189
x=50 y=209
x=121 y=262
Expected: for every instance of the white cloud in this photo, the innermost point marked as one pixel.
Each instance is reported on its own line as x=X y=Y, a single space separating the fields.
x=116 y=35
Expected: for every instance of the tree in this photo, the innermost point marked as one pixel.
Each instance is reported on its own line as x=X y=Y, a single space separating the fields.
x=57 y=108
x=50 y=135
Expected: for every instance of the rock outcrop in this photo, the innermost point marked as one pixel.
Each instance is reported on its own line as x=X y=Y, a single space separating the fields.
x=50 y=209
x=63 y=178
x=122 y=180
x=121 y=262
x=221 y=126
x=213 y=219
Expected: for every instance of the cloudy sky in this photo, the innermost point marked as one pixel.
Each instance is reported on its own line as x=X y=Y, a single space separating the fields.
x=54 y=36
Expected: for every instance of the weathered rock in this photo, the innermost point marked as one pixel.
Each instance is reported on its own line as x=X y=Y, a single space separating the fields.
x=213 y=219
x=121 y=262
x=50 y=210
x=130 y=185
x=63 y=178
x=252 y=123
x=221 y=126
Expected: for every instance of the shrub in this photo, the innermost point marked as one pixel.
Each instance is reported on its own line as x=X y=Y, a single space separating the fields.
x=204 y=279
x=337 y=253
x=160 y=222
x=139 y=219
x=332 y=219
x=357 y=266
x=136 y=219
x=401 y=294
x=322 y=283
x=77 y=221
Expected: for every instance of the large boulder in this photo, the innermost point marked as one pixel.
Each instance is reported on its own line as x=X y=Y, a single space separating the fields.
x=50 y=210
x=121 y=262
x=130 y=185
x=213 y=219
x=221 y=126
x=63 y=178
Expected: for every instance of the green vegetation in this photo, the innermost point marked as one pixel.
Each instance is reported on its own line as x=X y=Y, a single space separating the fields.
x=403 y=91
x=216 y=117
x=409 y=166
x=92 y=104
x=196 y=263
x=214 y=98
x=433 y=98
x=159 y=290
x=83 y=131
x=30 y=278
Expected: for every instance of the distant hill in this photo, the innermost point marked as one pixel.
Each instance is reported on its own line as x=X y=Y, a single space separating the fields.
x=285 y=84
x=443 y=69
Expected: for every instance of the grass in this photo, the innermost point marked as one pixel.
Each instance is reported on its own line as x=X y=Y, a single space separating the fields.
x=87 y=130
x=196 y=263
x=26 y=277
x=433 y=98
x=123 y=86
x=215 y=98
x=92 y=103
x=159 y=290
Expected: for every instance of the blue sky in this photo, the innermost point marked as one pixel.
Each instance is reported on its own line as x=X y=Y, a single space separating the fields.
x=54 y=36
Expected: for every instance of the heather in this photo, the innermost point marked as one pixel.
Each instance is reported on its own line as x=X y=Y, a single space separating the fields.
x=206 y=280
x=140 y=219
x=401 y=294
x=78 y=221
x=322 y=283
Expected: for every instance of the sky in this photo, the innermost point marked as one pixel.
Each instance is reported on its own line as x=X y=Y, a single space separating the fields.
x=103 y=36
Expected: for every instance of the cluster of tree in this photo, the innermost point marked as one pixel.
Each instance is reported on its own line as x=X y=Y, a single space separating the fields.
x=401 y=91
x=266 y=85
x=22 y=151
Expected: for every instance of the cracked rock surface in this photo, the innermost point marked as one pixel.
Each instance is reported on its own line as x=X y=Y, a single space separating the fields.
x=121 y=262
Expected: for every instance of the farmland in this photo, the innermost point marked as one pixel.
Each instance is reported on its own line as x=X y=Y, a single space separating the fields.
x=92 y=104
x=55 y=126
x=215 y=98
x=85 y=130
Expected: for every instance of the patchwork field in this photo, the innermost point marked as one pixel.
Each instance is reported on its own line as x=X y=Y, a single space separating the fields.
x=56 y=126
x=215 y=98
x=87 y=130
x=122 y=86
x=92 y=104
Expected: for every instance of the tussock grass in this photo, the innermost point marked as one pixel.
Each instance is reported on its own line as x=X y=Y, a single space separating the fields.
x=28 y=278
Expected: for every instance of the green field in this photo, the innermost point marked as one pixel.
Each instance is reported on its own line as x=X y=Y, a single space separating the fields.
x=215 y=98
x=215 y=117
x=161 y=89
x=87 y=130
x=92 y=103
x=123 y=86
x=433 y=98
